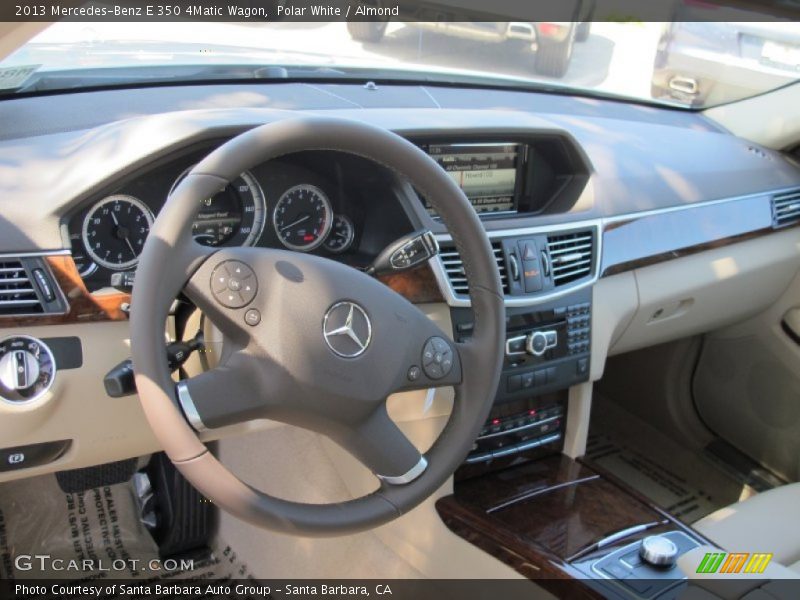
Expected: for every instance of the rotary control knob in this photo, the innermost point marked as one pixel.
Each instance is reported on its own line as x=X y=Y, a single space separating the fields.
x=537 y=343
x=27 y=369
x=658 y=551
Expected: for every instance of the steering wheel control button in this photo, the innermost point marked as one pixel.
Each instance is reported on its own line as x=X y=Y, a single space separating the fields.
x=658 y=551
x=252 y=317
x=437 y=358
x=414 y=373
x=234 y=284
x=27 y=369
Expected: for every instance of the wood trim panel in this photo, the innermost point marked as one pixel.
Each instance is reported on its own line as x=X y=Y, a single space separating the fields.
x=418 y=286
x=543 y=519
x=658 y=237
x=83 y=305
x=676 y=523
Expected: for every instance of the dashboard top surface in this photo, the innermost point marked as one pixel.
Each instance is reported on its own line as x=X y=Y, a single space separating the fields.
x=58 y=151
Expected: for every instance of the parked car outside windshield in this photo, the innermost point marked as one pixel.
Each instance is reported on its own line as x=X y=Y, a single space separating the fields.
x=686 y=64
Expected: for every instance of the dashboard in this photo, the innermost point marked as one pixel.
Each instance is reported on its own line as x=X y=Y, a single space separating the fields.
x=606 y=238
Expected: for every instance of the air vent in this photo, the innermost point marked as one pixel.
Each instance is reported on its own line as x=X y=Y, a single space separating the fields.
x=17 y=293
x=454 y=268
x=571 y=256
x=786 y=208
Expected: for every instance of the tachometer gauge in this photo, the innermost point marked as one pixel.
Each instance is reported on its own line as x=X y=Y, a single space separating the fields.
x=234 y=216
x=303 y=217
x=341 y=236
x=115 y=229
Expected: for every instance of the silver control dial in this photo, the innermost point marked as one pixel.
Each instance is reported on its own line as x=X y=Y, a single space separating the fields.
x=19 y=370
x=27 y=369
x=537 y=343
x=658 y=551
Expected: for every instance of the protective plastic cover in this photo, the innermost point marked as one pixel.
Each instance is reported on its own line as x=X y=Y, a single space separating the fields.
x=100 y=525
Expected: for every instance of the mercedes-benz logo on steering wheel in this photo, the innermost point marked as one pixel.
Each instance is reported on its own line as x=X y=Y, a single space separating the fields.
x=347 y=329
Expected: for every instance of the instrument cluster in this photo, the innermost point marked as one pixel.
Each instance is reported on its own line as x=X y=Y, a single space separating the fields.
x=282 y=206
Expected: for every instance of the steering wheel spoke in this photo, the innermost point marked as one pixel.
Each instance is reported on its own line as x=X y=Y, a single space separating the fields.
x=380 y=446
x=230 y=393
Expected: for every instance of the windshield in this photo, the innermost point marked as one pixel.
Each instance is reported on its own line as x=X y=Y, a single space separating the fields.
x=693 y=64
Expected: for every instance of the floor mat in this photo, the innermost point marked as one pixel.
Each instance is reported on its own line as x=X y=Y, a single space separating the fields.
x=688 y=484
x=100 y=526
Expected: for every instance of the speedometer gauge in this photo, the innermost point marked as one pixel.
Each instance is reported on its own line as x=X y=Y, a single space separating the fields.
x=234 y=216
x=303 y=217
x=115 y=229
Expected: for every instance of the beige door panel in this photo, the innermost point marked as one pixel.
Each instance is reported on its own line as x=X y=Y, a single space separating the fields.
x=77 y=408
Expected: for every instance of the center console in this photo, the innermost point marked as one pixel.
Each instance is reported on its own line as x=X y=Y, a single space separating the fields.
x=570 y=526
x=547 y=350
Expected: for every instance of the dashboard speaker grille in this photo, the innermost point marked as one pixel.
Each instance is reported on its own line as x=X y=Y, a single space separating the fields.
x=571 y=256
x=454 y=268
x=786 y=208
x=17 y=293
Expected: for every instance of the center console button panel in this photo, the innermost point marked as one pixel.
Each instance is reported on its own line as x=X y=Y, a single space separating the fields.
x=548 y=346
x=628 y=568
x=516 y=432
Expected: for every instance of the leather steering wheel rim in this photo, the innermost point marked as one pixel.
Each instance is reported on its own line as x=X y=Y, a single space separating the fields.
x=258 y=361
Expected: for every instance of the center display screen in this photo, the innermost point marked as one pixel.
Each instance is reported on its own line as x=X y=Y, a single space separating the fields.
x=487 y=173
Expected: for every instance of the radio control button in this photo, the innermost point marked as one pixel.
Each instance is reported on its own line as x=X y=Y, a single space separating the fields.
x=582 y=366
x=539 y=377
x=527 y=380
x=516 y=345
x=537 y=343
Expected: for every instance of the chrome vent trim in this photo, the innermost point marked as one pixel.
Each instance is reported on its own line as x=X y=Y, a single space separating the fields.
x=454 y=268
x=17 y=292
x=786 y=208
x=571 y=256
x=461 y=299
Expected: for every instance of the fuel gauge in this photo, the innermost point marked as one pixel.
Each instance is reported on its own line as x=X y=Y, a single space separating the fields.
x=341 y=235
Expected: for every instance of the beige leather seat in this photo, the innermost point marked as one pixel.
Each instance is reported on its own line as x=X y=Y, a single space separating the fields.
x=767 y=522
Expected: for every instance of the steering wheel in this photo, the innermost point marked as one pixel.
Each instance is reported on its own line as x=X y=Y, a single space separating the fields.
x=311 y=342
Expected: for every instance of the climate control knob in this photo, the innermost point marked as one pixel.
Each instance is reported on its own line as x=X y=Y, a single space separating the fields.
x=537 y=343
x=27 y=369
